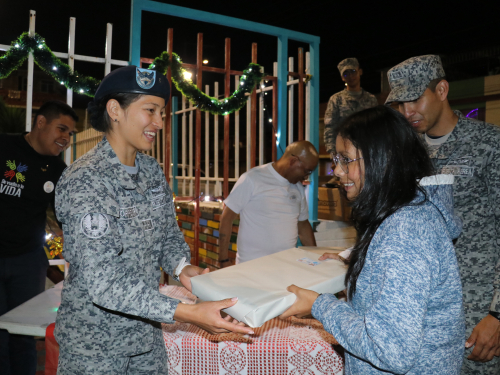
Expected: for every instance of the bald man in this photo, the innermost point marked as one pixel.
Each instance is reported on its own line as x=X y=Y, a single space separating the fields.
x=272 y=206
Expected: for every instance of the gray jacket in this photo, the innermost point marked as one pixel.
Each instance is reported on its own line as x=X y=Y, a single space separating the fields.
x=117 y=233
x=406 y=316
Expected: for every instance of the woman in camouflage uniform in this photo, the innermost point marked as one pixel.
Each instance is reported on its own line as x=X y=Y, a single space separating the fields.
x=119 y=228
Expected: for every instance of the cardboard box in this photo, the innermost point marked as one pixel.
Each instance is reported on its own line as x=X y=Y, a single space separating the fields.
x=332 y=206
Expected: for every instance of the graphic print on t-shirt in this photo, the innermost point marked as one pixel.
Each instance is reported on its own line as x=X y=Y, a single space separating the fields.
x=10 y=187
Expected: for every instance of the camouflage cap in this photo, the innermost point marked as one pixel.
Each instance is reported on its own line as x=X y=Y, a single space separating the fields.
x=409 y=79
x=349 y=63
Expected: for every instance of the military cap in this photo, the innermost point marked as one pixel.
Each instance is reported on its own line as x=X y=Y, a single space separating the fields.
x=349 y=63
x=131 y=79
x=409 y=79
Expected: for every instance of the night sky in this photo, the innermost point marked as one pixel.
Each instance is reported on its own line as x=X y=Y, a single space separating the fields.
x=379 y=34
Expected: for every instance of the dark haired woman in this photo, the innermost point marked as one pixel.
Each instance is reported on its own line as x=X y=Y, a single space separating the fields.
x=404 y=310
x=119 y=228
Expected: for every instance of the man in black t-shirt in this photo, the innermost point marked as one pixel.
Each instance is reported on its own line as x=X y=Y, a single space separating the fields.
x=30 y=167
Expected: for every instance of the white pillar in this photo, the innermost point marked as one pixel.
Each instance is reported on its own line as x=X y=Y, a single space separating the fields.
x=291 y=90
x=29 y=89
x=107 y=52
x=249 y=131
x=308 y=96
x=261 y=122
x=207 y=146
x=184 y=145
x=71 y=63
x=237 y=135
x=216 y=145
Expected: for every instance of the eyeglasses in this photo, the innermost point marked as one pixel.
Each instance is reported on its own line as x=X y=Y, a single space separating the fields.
x=343 y=162
x=348 y=72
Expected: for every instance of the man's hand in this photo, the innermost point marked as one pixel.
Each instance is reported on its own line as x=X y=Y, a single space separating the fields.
x=190 y=271
x=302 y=305
x=486 y=338
x=207 y=316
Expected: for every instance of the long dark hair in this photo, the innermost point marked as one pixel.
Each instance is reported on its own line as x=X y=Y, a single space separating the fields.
x=394 y=158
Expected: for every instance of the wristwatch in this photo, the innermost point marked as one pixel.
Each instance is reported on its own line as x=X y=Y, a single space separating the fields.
x=495 y=314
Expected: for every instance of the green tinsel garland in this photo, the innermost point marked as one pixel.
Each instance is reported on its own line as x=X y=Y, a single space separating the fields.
x=82 y=84
x=248 y=81
x=48 y=62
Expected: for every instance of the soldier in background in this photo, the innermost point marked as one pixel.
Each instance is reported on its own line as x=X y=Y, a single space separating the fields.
x=467 y=149
x=346 y=102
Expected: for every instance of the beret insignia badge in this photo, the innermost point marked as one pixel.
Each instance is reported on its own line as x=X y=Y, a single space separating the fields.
x=145 y=78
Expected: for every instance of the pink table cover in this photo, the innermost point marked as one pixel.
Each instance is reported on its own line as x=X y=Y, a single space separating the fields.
x=293 y=346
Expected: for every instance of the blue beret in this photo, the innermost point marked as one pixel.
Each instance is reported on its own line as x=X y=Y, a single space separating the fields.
x=131 y=79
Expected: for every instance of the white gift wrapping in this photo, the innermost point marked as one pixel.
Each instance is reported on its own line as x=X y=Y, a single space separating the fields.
x=260 y=284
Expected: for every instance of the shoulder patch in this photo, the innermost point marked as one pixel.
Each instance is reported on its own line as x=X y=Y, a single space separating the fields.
x=94 y=225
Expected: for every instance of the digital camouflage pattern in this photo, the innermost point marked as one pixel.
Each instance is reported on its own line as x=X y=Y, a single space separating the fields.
x=409 y=79
x=472 y=155
x=341 y=105
x=349 y=63
x=118 y=231
x=154 y=362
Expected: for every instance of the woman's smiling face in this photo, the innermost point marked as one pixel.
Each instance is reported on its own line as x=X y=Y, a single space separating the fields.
x=140 y=122
x=352 y=180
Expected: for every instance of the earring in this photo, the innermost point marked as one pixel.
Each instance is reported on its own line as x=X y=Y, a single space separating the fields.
x=116 y=120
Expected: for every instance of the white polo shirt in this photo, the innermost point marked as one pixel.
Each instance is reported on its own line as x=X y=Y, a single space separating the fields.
x=270 y=208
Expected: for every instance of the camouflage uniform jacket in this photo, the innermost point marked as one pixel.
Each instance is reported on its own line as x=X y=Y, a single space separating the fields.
x=471 y=153
x=117 y=232
x=341 y=105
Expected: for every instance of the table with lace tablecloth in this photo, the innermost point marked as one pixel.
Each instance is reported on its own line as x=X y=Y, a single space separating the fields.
x=292 y=346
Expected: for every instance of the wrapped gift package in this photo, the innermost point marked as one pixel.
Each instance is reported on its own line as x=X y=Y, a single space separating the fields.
x=260 y=284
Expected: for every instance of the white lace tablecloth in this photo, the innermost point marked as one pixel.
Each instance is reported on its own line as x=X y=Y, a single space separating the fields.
x=293 y=346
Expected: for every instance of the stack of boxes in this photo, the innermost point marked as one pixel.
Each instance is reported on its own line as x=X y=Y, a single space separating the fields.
x=208 y=246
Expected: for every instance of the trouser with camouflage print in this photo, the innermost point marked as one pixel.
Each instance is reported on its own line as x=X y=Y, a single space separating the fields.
x=154 y=362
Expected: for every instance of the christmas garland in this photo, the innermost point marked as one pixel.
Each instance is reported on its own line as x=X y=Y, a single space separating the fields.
x=248 y=81
x=48 y=62
x=82 y=84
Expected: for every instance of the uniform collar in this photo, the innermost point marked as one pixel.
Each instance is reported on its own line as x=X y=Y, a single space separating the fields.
x=447 y=148
x=119 y=173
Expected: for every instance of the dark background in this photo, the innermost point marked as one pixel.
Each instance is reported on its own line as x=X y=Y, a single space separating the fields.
x=379 y=34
